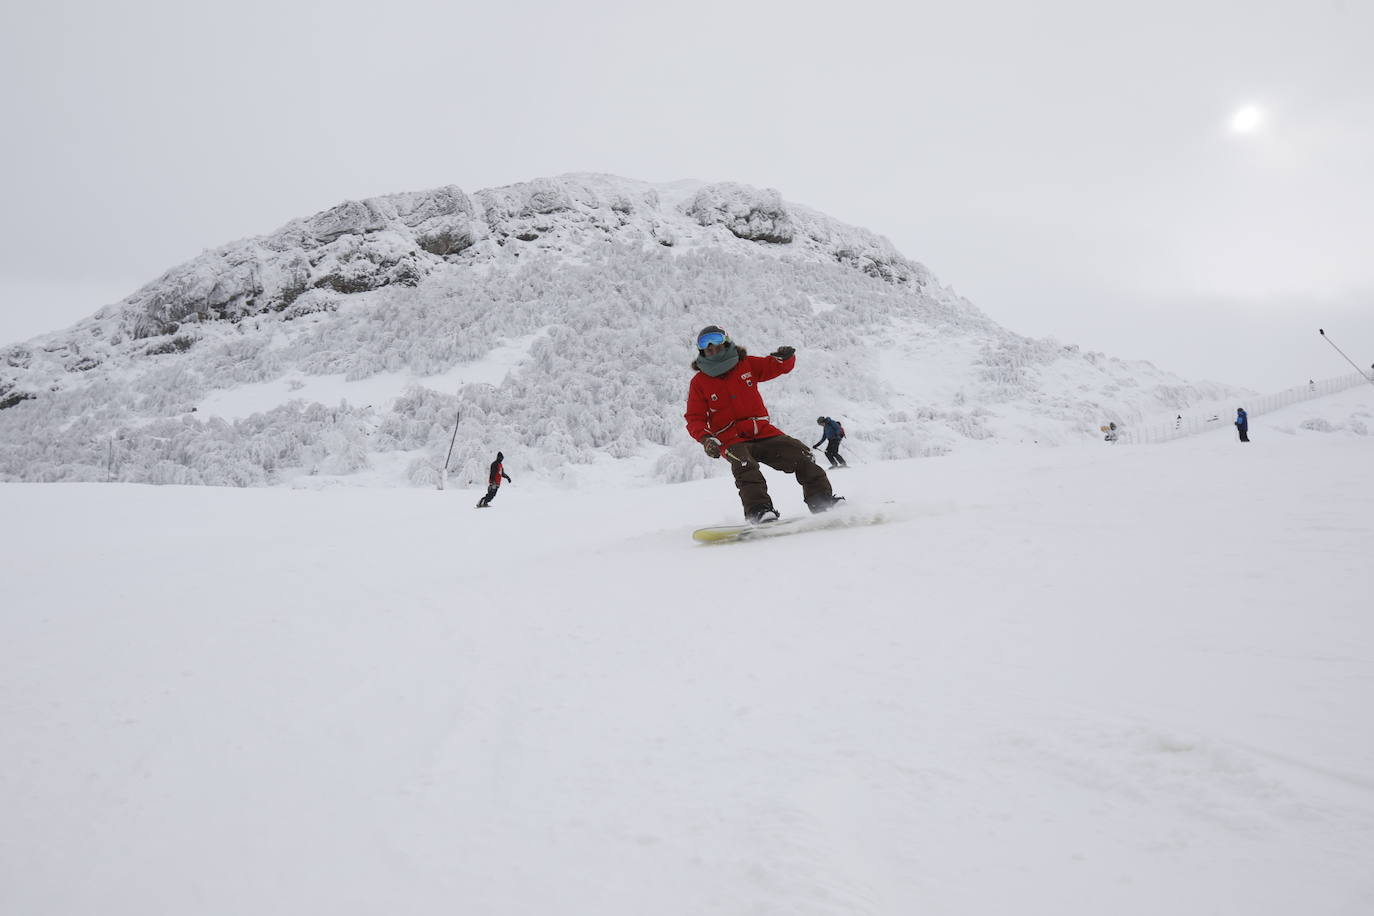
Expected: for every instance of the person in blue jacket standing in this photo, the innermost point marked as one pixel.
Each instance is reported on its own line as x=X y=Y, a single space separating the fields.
x=1242 y=424
x=831 y=434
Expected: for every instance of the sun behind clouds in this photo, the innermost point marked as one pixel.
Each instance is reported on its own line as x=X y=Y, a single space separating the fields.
x=1247 y=119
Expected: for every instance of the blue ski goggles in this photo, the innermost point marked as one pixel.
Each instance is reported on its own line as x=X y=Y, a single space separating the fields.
x=709 y=338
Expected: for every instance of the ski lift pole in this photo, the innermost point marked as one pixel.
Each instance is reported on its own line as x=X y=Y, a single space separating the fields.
x=444 y=476
x=1367 y=378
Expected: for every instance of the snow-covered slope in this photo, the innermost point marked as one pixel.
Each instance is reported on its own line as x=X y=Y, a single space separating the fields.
x=1086 y=680
x=556 y=317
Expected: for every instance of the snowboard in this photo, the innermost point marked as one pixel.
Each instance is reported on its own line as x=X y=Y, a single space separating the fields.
x=836 y=518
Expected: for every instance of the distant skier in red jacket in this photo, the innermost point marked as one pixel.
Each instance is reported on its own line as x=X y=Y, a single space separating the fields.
x=494 y=476
x=726 y=414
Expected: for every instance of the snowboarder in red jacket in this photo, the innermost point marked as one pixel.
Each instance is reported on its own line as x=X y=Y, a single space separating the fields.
x=494 y=476
x=726 y=414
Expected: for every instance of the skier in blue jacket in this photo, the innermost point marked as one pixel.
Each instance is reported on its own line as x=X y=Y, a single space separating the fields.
x=1243 y=424
x=831 y=432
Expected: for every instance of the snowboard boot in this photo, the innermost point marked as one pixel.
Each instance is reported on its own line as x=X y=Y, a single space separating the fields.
x=824 y=505
x=761 y=515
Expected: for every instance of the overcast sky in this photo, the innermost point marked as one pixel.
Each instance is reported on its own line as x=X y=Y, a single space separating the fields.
x=1185 y=182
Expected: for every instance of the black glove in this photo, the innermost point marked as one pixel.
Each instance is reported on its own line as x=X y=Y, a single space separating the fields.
x=783 y=352
x=711 y=444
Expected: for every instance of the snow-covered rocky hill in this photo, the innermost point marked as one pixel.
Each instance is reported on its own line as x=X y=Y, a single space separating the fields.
x=552 y=319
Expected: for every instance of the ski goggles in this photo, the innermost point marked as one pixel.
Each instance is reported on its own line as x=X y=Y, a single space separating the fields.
x=711 y=337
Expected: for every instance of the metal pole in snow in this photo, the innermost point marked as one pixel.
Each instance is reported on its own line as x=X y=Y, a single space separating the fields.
x=444 y=476
x=1367 y=378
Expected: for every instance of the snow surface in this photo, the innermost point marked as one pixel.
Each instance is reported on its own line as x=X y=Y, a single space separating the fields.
x=1092 y=679
x=243 y=401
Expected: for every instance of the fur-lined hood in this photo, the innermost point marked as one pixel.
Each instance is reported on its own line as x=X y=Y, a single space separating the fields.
x=738 y=349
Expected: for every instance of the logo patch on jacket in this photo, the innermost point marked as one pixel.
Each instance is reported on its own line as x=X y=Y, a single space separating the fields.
x=748 y=379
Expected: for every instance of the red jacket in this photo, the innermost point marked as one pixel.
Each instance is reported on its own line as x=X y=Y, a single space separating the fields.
x=729 y=406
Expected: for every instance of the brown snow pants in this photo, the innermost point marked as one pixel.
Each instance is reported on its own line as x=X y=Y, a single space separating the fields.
x=782 y=453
